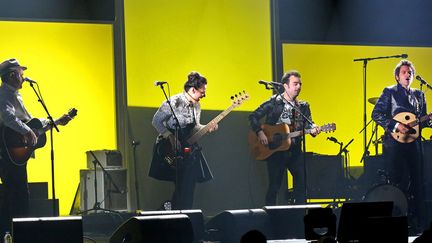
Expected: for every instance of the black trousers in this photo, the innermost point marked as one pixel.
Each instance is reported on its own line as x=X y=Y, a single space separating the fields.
x=184 y=186
x=15 y=202
x=404 y=166
x=277 y=166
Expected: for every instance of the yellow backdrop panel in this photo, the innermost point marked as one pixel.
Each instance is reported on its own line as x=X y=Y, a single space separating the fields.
x=73 y=64
x=333 y=85
x=228 y=41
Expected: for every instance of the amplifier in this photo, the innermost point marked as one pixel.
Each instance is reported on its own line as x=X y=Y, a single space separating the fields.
x=108 y=158
x=107 y=194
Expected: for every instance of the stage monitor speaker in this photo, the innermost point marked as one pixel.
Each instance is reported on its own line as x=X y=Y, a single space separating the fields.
x=107 y=195
x=354 y=217
x=286 y=222
x=325 y=176
x=195 y=216
x=47 y=230
x=229 y=226
x=162 y=228
x=385 y=229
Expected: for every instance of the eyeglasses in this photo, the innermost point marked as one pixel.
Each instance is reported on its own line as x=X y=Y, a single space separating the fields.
x=202 y=91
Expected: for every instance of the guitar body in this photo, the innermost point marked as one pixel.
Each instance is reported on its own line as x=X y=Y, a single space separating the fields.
x=276 y=141
x=279 y=139
x=406 y=118
x=165 y=151
x=14 y=144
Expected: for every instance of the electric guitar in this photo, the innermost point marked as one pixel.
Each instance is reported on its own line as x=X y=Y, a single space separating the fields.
x=411 y=121
x=14 y=145
x=165 y=150
x=279 y=139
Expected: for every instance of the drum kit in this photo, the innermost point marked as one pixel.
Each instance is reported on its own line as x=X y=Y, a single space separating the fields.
x=380 y=188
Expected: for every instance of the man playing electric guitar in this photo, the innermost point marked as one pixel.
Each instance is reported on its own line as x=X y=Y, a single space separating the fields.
x=284 y=109
x=13 y=115
x=397 y=105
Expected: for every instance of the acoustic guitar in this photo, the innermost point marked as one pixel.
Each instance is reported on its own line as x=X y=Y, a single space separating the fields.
x=13 y=143
x=279 y=139
x=410 y=120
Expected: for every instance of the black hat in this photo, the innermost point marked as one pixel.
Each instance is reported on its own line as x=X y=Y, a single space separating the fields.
x=10 y=65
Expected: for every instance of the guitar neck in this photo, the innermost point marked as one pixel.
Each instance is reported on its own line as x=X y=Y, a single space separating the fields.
x=297 y=133
x=420 y=120
x=196 y=136
x=47 y=127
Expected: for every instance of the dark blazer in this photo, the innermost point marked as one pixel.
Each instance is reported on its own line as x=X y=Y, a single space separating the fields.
x=393 y=100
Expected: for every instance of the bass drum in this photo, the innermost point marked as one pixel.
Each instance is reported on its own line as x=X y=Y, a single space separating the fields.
x=388 y=192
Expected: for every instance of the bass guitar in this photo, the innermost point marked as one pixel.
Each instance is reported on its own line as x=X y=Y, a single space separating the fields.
x=164 y=148
x=279 y=139
x=14 y=145
x=411 y=121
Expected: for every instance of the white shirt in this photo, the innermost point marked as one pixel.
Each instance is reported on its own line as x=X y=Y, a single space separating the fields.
x=13 y=113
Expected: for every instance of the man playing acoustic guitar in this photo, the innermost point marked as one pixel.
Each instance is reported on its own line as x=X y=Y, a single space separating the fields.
x=397 y=111
x=284 y=109
x=13 y=116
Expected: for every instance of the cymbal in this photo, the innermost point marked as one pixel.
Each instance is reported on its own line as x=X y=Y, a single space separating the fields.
x=373 y=100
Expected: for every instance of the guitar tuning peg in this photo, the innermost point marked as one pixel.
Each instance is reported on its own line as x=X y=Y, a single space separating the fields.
x=232 y=97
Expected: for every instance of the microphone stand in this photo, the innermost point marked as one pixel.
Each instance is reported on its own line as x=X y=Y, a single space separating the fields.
x=305 y=118
x=97 y=204
x=365 y=62
x=52 y=123
x=421 y=160
x=134 y=145
x=176 y=142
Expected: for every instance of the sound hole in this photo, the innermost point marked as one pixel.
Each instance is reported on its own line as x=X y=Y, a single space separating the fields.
x=276 y=141
x=407 y=117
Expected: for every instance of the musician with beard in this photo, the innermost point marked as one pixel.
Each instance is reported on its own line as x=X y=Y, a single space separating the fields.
x=285 y=109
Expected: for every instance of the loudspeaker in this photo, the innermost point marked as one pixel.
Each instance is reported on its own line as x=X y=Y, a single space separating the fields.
x=230 y=225
x=385 y=229
x=355 y=216
x=324 y=176
x=286 y=222
x=162 y=228
x=47 y=230
x=195 y=216
x=107 y=194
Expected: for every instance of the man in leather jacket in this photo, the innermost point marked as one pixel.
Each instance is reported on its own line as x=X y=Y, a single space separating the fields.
x=280 y=109
x=403 y=160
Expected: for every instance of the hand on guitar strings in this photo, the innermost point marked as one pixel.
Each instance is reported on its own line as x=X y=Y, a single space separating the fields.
x=213 y=127
x=315 y=130
x=262 y=137
x=30 y=138
x=404 y=129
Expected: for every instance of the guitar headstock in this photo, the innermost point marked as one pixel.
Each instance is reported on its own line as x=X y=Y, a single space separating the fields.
x=239 y=98
x=330 y=127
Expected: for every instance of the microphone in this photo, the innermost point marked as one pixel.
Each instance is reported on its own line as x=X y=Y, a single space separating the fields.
x=29 y=80
x=159 y=83
x=333 y=139
x=402 y=56
x=270 y=83
x=419 y=78
x=135 y=143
